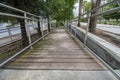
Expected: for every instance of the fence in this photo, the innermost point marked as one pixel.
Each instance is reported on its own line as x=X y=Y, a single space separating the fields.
x=14 y=39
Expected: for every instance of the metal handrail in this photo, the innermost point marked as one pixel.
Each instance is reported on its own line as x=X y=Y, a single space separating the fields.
x=17 y=16
x=15 y=9
x=18 y=10
x=100 y=14
x=6 y=61
x=25 y=18
x=109 y=3
x=11 y=15
x=21 y=17
x=102 y=6
x=105 y=12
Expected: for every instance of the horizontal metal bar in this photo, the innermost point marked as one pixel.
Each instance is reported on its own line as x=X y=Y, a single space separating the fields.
x=9 y=7
x=3 y=63
x=109 y=3
x=17 y=16
x=102 y=13
x=11 y=15
x=105 y=12
x=15 y=9
x=32 y=14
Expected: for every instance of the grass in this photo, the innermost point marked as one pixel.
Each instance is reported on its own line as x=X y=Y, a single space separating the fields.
x=39 y=44
x=61 y=27
x=5 y=54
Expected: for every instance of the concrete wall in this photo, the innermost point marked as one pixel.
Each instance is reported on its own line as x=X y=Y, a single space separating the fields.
x=105 y=50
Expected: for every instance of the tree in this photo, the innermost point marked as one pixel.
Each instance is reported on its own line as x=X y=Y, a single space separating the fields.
x=93 y=20
x=47 y=12
x=80 y=11
x=62 y=10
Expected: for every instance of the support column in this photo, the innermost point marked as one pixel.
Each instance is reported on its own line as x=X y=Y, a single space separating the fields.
x=86 y=35
x=28 y=31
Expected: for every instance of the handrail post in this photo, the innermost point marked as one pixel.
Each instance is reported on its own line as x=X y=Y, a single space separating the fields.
x=75 y=34
x=87 y=29
x=47 y=26
x=10 y=34
x=41 y=23
x=28 y=31
x=39 y=19
x=68 y=27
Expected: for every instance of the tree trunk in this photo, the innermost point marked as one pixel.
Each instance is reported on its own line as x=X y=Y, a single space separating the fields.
x=48 y=23
x=93 y=20
x=38 y=23
x=39 y=29
x=25 y=41
x=20 y=4
x=80 y=12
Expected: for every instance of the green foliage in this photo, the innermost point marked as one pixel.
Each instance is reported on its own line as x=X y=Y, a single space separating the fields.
x=57 y=9
x=115 y=15
x=86 y=6
x=62 y=10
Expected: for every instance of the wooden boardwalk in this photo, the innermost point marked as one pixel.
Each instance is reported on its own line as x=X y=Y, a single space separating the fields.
x=59 y=52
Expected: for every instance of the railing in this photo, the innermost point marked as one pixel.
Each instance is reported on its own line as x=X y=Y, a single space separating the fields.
x=12 y=38
x=85 y=37
x=99 y=14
